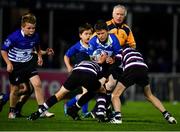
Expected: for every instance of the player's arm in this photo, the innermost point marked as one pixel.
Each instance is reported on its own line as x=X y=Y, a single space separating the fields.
x=6 y=59
x=4 y=52
x=68 y=63
x=48 y=51
x=39 y=54
x=69 y=53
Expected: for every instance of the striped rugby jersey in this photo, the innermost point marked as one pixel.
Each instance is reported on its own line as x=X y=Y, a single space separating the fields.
x=19 y=46
x=90 y=67
x=130 y=57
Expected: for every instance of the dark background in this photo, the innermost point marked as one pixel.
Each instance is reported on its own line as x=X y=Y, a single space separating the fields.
x=151 y=21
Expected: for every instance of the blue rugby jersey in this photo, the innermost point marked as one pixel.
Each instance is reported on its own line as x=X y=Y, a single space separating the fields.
x=19 y=46
x=80 y=49
x=130 y=57
x=112 y=44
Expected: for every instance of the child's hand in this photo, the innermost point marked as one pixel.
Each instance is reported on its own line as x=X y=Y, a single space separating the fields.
x=49 y=51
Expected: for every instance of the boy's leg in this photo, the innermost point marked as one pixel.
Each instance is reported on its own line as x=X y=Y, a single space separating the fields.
x=36 y=83
x=157 y=104
x=49 y=103
x=13 y=101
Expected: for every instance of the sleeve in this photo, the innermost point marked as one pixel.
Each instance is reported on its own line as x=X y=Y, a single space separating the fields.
x=71 y=51
x=7 y=44
x=130 y=40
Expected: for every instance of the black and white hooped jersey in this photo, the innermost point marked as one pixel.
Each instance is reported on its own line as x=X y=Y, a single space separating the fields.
x=89 y=67
x=130 y=57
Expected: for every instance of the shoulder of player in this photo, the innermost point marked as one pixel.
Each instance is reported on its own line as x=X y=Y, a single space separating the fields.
x=77 y=44
x=15 y=33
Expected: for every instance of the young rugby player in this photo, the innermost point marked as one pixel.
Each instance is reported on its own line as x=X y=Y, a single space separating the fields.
x=17 y=52
x=135 y=71
x=74 y=55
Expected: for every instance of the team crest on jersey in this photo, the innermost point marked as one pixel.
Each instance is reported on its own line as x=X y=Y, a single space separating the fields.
x=7 y=43
x=32 y=43
x=17 y=79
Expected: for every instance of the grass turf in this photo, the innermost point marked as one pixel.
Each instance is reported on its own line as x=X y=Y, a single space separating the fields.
x=137 y=116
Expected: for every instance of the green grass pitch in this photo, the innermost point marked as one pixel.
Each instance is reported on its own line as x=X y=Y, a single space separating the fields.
x=137 y=116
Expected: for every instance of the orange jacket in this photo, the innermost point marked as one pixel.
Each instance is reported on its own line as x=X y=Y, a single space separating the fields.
x=123 y=33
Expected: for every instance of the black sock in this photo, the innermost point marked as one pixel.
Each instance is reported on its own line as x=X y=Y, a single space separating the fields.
x=166 y=114
x=19 y=106
x=12 y=109
x=49 y=103
x=118 y=115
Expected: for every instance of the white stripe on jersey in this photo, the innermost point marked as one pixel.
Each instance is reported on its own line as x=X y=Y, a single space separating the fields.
x=89 y=66
x=85 y=68
x=134 y=57
x=130 y=54
x=130 y=57
x=20 y=55
x=134 y=63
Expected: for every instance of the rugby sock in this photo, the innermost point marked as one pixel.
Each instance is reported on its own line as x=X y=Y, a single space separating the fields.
x=5 y=98
x=85 y=108
x=19 y=106
x=101 y=105
x=118 y=115
x=71 y=102
x=12 y=109
x=49 y=103
x=166 y=114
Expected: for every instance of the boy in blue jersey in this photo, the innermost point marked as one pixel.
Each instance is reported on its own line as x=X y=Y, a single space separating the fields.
x=80 y=52
x=17 y=52
x=103 y=39
x=110 y=43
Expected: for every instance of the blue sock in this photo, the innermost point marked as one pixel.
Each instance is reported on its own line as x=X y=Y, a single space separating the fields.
x=71 y=102
x=85 y=108
x=5 y=98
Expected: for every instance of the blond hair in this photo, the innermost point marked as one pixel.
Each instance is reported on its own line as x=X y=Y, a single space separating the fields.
x=28 y=18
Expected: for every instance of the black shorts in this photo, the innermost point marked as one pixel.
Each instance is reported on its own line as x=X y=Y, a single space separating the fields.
x=135 y=75
x=81 y=78
x=22 y=72
x=114 y=70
